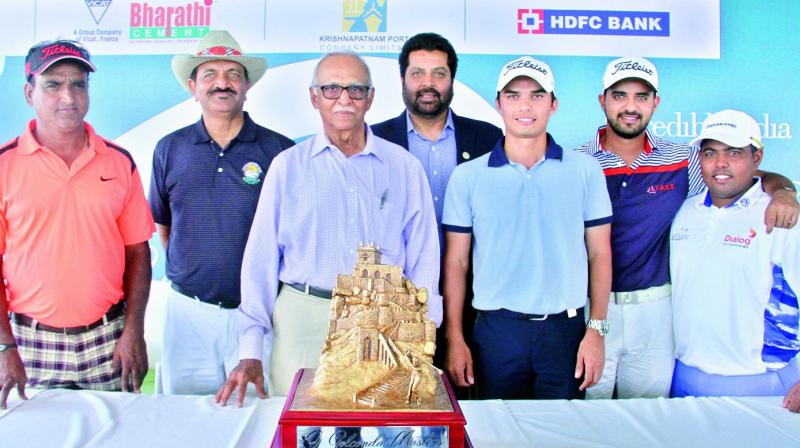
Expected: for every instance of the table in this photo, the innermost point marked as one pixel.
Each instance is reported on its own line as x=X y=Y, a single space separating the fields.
x=66 y=418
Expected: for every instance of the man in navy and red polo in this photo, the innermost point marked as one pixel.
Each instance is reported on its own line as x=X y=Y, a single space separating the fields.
x=648 y=178
x=206 y=181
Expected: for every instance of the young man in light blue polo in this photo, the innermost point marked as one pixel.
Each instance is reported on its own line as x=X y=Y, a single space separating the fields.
x=538 y=221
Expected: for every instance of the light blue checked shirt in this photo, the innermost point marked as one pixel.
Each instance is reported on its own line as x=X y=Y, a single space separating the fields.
x=315 y=208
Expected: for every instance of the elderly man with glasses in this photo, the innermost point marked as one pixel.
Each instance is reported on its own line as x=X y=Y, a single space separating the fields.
x=321 y=198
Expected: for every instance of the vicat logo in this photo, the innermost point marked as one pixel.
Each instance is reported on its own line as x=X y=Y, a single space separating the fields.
x=364 y=16
x=653 y=189
x=97 y=8
x=183 y=21
x=614 y=23
x=739 y=241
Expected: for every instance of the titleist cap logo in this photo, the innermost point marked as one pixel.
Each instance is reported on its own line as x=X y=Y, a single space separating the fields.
x=631 y=65
x=524 y=64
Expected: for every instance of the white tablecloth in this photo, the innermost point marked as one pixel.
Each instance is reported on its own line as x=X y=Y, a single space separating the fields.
x=62 y=418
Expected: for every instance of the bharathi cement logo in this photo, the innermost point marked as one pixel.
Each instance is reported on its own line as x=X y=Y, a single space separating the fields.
x=98 y=9
x=170 y=20
x=364 y=16
x=612 y=23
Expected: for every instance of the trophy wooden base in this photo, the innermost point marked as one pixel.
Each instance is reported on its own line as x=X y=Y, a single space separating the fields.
x=296 y=415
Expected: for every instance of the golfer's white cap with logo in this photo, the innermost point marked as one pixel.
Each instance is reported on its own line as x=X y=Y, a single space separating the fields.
x=630 y=67
x=731 y=127
x=530 y=67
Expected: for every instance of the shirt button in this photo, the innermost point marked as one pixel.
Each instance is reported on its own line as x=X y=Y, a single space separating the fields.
x=351 y=222
x=219 y=170
x=433 y=148
x=435 y=172
x=352 y=190
x=528 y=176
x=624 y=184
x=221 y=154
x=436 y=198
x=351 y=251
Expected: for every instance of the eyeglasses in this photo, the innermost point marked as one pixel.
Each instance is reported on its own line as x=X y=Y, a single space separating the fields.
x=334 y=91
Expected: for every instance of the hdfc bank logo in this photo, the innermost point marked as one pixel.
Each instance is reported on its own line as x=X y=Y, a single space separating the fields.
x=739 y=241
x=530 y=21
x=610 y=23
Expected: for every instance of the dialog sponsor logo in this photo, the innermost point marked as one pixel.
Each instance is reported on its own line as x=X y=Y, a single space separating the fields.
x=739 y=241
x=610 y=23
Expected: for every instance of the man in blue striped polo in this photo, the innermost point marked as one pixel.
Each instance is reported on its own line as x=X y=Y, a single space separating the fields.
x=205 y=185
x=648 y=178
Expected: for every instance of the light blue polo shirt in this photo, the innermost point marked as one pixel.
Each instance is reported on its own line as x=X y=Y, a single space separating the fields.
x=527 y=225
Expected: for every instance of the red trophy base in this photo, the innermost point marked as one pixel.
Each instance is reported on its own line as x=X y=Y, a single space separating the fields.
x=292 y=417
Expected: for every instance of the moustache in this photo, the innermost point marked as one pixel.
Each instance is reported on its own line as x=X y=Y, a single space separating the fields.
x=428 y=90
x=636 y=114
x=218 y=90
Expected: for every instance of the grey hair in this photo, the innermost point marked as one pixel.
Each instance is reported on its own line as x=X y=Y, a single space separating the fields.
x=348 y=53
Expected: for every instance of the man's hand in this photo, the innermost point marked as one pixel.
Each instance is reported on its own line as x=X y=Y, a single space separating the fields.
x=782 y=211
x=792 y=399
x=591 y=358
x=459 y=364
x=12 y=373
x=248 y=371
x=130 y=357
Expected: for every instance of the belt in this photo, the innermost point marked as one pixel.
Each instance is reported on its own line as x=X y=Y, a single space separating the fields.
x=642 y=295
x=508 y=314
x=311 y=291
x=114 y=312
x=222 y=303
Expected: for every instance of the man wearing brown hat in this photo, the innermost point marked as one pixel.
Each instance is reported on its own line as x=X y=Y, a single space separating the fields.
x=74 y=226
x=206 y=181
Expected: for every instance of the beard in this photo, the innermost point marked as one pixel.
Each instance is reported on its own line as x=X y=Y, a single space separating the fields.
x=439 y=105
x=628 y=132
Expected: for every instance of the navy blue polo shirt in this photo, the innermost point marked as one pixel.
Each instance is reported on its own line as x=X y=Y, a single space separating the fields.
x=208 y=196
x=645 y=197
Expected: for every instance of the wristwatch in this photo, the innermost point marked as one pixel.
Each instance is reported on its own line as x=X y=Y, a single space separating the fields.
x=4 y=347
x=602 y=326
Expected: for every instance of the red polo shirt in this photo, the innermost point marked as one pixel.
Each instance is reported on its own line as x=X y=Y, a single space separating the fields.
x=63 y=230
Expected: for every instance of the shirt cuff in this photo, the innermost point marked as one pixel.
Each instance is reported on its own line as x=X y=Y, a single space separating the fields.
x=251 y=345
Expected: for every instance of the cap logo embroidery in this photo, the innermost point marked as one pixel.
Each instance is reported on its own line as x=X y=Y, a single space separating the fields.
x=522 y=64
x=629 y=65
x=54 y=50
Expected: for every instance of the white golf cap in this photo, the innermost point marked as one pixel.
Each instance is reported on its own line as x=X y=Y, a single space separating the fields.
x=731 y=127
x=630 y=67
x=530 y=67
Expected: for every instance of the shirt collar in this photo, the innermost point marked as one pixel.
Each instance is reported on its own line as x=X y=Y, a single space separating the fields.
x=448 y=125
x=28 y=143
x=322 y=143
x=649 y=141
x=246 y=134
x=747 y=199
x=498 y=156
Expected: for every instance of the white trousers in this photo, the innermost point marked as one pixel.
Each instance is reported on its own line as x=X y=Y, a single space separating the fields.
x=640 y=351
x=201 y=346
x=299 y=324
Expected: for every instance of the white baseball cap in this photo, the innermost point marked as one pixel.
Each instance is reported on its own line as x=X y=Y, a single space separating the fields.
x=731 y=127
x=530 y=67
x=630 y=67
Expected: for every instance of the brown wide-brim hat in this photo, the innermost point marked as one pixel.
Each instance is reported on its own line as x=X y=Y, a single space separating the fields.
x=218 y=45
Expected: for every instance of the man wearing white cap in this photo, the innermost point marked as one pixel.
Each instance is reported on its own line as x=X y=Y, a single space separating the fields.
x=647 y=178
x=736 y=333
x=204 y=189
x=541 y=218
